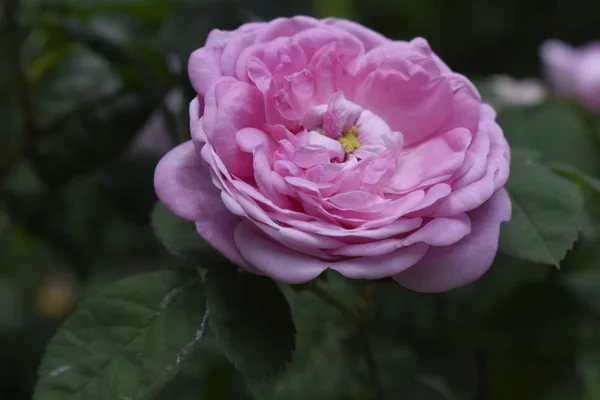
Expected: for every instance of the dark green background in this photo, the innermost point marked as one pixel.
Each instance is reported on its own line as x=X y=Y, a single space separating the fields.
x=79 y=78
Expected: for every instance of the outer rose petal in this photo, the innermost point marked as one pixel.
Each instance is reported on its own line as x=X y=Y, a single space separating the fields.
x=369 y=38
x=183 y=184
x=285 y=265
x=446 y=268
x=204 y=66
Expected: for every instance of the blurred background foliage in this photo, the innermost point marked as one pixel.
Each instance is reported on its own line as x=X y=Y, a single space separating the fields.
x=95 y=91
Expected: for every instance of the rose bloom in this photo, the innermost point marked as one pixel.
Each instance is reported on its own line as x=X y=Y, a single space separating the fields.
x=321 y=144
x=574 y=72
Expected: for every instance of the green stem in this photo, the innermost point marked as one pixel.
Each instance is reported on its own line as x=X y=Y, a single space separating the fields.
x=360 y=316
x=331 y=300
x=367 y=346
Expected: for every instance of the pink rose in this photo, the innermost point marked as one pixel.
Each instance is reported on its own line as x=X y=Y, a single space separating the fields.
x=322 y=144
x=574 y=73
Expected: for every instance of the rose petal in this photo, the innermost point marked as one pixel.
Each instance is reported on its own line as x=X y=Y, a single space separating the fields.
x=368 y=37
x=183 y=184
x=289 y=266
x=410 y=101
x=446 y=268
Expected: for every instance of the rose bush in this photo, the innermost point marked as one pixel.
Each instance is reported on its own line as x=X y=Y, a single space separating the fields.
x=574 y=72
x=321 y=144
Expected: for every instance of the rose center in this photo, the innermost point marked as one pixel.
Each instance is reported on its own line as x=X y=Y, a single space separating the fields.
x=349 y=140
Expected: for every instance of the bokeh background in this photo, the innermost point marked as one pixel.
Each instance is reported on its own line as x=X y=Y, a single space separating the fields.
x=93 y=92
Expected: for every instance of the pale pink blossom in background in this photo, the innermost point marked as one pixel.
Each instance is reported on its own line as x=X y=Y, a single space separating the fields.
x=574 y=73
x=518 y=92
x=320 y=144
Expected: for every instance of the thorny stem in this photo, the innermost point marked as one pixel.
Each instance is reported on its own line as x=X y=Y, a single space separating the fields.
x=360 y=317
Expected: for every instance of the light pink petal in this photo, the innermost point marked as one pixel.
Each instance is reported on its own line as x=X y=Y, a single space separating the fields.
x=286 y=27
x=312 y=40
x=349 y=235
x=409 y=101
x=370 y=249
x=433 y=161
x=379 y=267
x=289 y=266
x=296 y=97
x=446 y=268
x=233 y=48
x=299 y=239
x=230 y=107
x=308 y=156
x=266 y=179
x=183 y=184
x=177 y=180
x=195 y=112
x=368 y=37
x=475 y=163
x=204 y=66
x=277 y=237
x=395 y=56
x=333 y=147
x=331 y=67
x=466 y=105
x=469 y=197
x=441 y=231
x=373 y=131
x=275 y=260
x=340 y=116
x=250 y=138
x=438 y=232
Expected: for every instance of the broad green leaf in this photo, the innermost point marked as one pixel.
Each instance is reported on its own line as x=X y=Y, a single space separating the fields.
x=209 y=377
x=554 y=130
x=324 y=365
x=180 y=237
x=127 y=341
x=252 y=320
x=547 y=213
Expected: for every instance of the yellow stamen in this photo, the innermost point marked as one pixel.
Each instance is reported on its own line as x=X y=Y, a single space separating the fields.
x=349 y=141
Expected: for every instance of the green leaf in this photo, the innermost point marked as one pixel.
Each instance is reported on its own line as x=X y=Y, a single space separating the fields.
x=181 y=237
x=554 y=130
x=252 y=320
x=127 y=341
x=547 y=213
